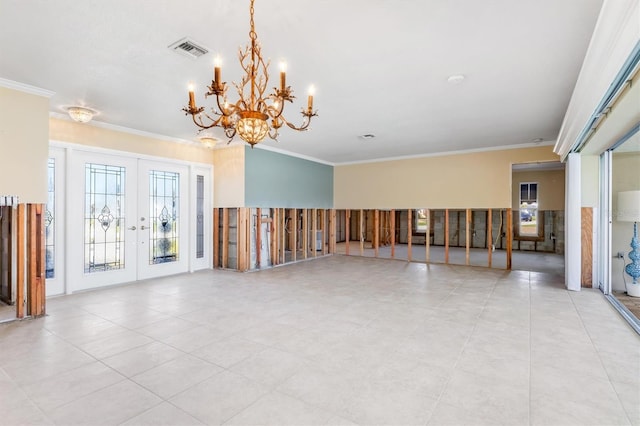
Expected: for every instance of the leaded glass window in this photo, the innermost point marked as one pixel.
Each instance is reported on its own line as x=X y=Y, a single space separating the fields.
x=164 y=206
x=49 y=226
x=200 y=217
x=104 y=221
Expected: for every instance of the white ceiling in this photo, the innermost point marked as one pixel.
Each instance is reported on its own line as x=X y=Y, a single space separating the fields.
x=379 y=66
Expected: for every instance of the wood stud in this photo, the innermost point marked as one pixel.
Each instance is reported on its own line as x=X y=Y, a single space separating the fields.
x=409 y=233
x=467 y=235
x=21 y=262
x=287 y=235
x=490 y=238
x=393 y=233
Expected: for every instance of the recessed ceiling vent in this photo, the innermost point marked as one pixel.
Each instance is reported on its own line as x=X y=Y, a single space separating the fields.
x=189 y=48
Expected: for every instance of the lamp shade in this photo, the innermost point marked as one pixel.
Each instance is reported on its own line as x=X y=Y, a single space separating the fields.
x=628 y=206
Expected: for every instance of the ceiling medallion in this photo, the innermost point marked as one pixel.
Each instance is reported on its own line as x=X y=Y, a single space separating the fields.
x=255 y=115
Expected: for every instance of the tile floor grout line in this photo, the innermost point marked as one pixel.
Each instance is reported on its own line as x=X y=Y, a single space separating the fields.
x=602 y=364
x=446 y=385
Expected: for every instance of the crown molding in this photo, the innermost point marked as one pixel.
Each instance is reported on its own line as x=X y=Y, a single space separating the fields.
x=32 y=90
x=122 y=129
x=447 y=153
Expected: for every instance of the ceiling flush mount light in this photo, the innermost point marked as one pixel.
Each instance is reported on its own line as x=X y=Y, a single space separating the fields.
x=81 y=114
x=455 y=79
x=208 y=140
x=256 y=114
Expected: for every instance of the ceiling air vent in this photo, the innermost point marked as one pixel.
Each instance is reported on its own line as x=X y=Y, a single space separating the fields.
x=189 y=48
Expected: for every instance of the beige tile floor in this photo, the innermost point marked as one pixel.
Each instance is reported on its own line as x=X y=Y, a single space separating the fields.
x=337 y=340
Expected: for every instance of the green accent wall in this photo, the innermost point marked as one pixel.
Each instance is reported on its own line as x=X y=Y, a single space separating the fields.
x=278 y=180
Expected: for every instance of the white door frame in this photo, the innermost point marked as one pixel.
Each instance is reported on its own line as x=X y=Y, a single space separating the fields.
x=56 y=285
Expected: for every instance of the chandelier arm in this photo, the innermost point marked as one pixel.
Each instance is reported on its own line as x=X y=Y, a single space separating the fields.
x=272 y=111
x=200 y=123
x=306 y=121
x=273 y=133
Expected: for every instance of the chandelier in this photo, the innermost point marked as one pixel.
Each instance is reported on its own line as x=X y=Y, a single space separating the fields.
x=256 y=114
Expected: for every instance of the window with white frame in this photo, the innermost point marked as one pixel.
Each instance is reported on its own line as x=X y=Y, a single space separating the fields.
x=528 y=217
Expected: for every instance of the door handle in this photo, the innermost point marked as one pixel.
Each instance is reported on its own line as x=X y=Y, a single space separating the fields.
x=143 y=227
x=131 y=228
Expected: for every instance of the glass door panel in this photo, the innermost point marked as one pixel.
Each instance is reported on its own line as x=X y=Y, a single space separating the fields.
x=201 y=218
x=54 y=224
x=163 y=237
x=102 y=250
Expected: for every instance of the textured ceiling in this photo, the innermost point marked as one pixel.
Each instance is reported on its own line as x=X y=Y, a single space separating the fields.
x=379 y=66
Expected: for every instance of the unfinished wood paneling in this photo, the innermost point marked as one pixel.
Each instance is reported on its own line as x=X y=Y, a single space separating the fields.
x=35 y=260
x=587 y=247
x=243 y=257
x=216 y=238
x=282 y=233
x=21 y=261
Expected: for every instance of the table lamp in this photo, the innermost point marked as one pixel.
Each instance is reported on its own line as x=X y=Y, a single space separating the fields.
x=629 y=211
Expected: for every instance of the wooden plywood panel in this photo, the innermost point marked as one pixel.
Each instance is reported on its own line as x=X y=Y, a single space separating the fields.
x=587 y=247
x=216 y=238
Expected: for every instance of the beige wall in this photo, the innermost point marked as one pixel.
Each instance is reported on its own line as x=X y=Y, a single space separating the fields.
x=471 y=180
x=550 y=188
x=24 y=145
x=625 y=176
x=84 y=134
x=228 y=177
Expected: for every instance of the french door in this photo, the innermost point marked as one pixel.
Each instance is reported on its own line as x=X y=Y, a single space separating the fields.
x=129 y=219
x=162 y=225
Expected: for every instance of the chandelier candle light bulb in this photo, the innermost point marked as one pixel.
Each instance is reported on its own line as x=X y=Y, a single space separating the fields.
x=312 y=91
x=249 y=116
x=192 y=100
x=283 y=76
x=216 y=68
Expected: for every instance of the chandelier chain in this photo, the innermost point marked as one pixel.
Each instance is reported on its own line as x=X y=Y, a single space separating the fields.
x=252 y=32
